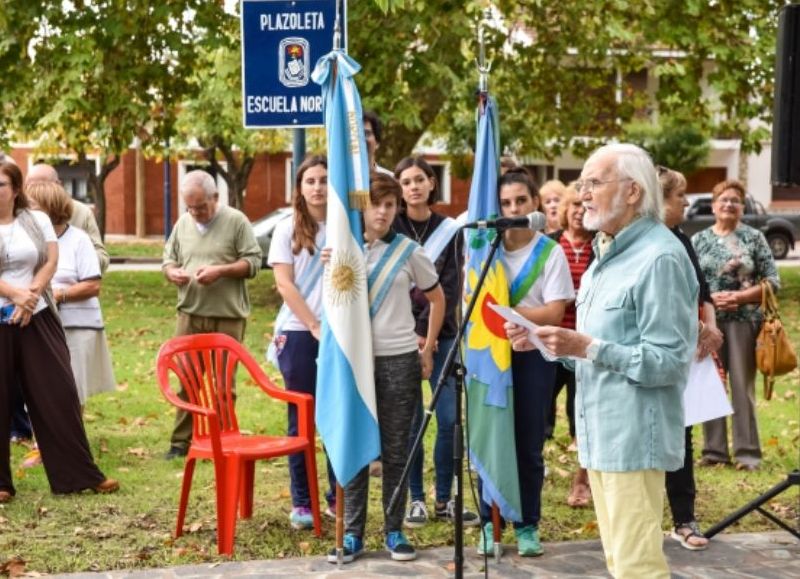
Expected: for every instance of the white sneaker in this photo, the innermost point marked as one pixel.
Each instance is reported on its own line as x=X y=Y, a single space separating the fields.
x=417 y=515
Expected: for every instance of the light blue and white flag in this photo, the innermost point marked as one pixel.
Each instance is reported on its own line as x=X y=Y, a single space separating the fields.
x=346 y=410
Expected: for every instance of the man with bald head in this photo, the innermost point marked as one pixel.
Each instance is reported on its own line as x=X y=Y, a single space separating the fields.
x=209 y=255
x=636 y=334
x=82 y=216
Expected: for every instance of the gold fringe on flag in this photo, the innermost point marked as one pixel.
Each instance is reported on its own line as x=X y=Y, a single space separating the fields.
x=358 y=200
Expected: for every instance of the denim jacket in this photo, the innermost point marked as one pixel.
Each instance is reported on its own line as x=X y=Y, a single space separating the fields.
x=640 y=301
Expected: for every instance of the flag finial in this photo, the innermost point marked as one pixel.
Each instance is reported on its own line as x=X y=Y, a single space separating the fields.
x=484 y=67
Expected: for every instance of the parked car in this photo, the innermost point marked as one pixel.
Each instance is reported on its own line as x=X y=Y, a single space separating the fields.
x=264 y=227
x=780 y=229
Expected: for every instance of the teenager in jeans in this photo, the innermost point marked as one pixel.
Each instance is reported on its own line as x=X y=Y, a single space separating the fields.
x=394 y=263
x=539 y=287
x=294 y=255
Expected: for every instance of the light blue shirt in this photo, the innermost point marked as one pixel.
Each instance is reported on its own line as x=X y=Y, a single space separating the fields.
x=640 y=300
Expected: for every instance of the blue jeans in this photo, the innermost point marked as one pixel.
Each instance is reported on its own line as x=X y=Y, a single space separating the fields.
x=445 y=421
x=298 y=365
x=533 y=377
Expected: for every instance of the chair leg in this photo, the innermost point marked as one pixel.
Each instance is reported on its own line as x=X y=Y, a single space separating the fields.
x=246 y=489
x=313 y=485
x=227 y=503
x=186 y=487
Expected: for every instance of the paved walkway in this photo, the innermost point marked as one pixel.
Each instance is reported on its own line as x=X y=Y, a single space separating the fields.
x=748 y=555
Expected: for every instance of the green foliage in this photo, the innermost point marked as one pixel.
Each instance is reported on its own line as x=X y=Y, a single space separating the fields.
x=212 y=113
x=679 y=146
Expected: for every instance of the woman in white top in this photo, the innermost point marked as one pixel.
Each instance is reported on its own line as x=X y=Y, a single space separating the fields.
x=294 y=255
x=76 y=285
x=33 y=349
x=540 y=286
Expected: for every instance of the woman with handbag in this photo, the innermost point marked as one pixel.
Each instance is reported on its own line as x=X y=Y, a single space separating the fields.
x=735 y=259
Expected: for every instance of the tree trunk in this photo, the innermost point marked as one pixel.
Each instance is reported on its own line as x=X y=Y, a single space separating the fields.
x=236 y=175
x=97 y=185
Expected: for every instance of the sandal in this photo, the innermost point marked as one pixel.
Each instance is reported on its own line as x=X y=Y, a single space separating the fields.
x=579 y=496
x=690 y=537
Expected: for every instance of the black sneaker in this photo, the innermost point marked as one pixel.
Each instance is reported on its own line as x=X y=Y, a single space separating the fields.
x=448 y=513
x=176 y=452
x=399 y=547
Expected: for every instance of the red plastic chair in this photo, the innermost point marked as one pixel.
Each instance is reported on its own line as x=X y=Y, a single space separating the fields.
x=205 y=365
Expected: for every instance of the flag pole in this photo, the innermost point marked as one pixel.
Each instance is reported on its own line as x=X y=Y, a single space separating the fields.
x=497 y=533
x=337 y=45
x=339 y=525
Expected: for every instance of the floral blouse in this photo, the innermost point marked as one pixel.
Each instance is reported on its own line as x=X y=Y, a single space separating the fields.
x=735 y=262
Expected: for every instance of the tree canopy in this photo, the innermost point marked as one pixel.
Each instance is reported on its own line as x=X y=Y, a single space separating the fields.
x=91 y=75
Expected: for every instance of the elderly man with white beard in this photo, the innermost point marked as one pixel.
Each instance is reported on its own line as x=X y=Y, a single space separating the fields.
x=636 y=334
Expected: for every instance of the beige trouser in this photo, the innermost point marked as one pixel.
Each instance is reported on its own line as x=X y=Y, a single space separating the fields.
x=738 y=355
x=629 y=508
x=189 y=324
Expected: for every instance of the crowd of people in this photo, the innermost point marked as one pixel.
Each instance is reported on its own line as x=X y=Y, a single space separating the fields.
x=593 y=282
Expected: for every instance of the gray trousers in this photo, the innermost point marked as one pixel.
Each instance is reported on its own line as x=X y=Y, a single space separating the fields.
x=738 y=355
x=397 y=390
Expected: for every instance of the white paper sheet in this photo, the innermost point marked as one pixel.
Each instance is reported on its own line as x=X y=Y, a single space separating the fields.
x=704 y=398
x=515 y=317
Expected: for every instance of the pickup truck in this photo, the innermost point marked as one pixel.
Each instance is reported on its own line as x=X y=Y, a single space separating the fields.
x=780 y=229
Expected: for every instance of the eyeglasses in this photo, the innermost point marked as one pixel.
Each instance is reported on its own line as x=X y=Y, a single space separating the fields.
x=588 y=185
x=732 y=202
x=202 y=208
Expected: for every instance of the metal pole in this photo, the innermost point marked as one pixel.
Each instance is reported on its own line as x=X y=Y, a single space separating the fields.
x=167 y=192
x=298 y=148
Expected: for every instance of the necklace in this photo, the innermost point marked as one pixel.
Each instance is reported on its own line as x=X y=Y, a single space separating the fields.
x=417 y=235
x=578 y=251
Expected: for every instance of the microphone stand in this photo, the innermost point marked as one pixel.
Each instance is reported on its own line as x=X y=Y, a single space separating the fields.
x=458 y=436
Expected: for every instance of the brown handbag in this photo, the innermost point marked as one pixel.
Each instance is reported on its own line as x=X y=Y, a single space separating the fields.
x=775 y=354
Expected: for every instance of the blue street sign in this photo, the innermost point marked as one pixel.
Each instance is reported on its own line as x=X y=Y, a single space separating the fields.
x=281 y=43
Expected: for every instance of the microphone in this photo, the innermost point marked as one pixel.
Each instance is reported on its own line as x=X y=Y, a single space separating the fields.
x=536 y=221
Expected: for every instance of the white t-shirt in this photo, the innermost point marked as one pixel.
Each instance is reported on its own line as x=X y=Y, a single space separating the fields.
x=77 y=261
x=280 y=251
x=554 y=283
x=21 y=255
x=393 y=325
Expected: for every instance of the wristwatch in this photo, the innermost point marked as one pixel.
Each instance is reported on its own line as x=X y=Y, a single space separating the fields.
x=593 y=349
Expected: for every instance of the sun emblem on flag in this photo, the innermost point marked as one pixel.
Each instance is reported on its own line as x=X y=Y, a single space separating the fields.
x=487 y=329
x=344 y=277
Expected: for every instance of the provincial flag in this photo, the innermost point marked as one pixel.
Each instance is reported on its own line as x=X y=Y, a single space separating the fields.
x=488 y=352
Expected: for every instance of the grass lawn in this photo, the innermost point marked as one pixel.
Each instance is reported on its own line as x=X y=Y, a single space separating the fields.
x=128 y=431
x=136 y=248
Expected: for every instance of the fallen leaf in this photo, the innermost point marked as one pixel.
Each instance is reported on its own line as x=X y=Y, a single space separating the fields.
x=42 y=511
x=139 y=452
x=103 y=446
x=13 y=567
x=304 y=546
x=121 y=387
x=772 y=441
x=194 y=527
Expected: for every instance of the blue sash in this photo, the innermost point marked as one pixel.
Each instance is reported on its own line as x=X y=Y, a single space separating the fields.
x=380 y=279
x=531 y=269
x=305 y=286
x=441 y=236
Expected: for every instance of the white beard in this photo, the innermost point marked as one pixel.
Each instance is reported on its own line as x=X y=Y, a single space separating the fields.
x=598 y=220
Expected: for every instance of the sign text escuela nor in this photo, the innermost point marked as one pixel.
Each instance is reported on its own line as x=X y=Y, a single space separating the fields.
x=281 y=43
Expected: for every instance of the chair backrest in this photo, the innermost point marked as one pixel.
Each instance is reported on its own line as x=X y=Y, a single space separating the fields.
x=205 y=365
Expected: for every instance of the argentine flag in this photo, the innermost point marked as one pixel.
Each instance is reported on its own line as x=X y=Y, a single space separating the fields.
x=346 y=411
